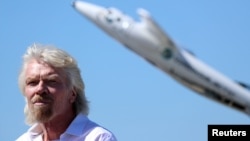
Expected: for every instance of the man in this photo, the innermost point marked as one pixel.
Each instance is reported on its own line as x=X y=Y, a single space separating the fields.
x=56 y=106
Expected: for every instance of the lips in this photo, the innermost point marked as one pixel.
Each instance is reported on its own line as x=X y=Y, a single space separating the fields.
x=41 y=102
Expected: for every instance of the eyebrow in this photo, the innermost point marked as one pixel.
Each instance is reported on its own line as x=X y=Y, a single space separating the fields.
x=47 y=76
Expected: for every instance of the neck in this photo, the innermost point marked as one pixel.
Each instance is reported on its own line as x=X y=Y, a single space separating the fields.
x=57 y=126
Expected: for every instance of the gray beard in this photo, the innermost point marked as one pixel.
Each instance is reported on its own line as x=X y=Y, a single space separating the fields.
x=40 y=114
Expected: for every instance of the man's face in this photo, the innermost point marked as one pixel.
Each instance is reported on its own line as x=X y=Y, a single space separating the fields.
x=46 y=92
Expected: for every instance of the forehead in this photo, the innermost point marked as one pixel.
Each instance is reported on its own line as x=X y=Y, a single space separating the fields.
x=36 y=68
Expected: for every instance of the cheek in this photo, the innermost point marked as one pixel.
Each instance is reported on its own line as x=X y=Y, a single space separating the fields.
x=56 y=91
x=63 y=97
x=58 y=94
x=28 y=92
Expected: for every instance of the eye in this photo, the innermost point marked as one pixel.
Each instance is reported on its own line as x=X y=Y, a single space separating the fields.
x=32 y=83
x=52 y=82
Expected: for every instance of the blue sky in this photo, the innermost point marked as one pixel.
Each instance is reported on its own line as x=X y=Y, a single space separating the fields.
x=129 y=96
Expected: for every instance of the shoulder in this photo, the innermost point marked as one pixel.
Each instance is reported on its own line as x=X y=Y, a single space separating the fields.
x=100 y=134
x=33 y=132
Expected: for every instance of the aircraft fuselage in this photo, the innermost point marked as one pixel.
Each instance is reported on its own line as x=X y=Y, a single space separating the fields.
x=148 y=40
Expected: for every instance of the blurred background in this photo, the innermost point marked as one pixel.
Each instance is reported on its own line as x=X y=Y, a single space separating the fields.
x=127 y=95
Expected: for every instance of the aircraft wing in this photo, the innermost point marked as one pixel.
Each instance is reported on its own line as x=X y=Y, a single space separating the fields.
x=155 y=29
x=246 y=86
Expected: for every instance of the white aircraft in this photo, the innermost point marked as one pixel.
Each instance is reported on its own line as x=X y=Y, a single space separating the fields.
x=148 y=40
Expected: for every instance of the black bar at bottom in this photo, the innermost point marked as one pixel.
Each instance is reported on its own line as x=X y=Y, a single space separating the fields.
x=234 y=132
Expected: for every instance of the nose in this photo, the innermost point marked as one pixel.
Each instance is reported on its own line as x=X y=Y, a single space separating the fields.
x=87 y=9
x=41 y=88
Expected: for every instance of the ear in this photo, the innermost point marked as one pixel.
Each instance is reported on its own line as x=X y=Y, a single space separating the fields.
x=73 y=95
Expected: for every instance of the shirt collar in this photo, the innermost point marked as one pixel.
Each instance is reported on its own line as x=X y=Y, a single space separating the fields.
x=78 y=125
x=35 y=130
x=75 y=128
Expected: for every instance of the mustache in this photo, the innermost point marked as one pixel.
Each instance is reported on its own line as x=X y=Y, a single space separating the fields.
x=41 y=98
